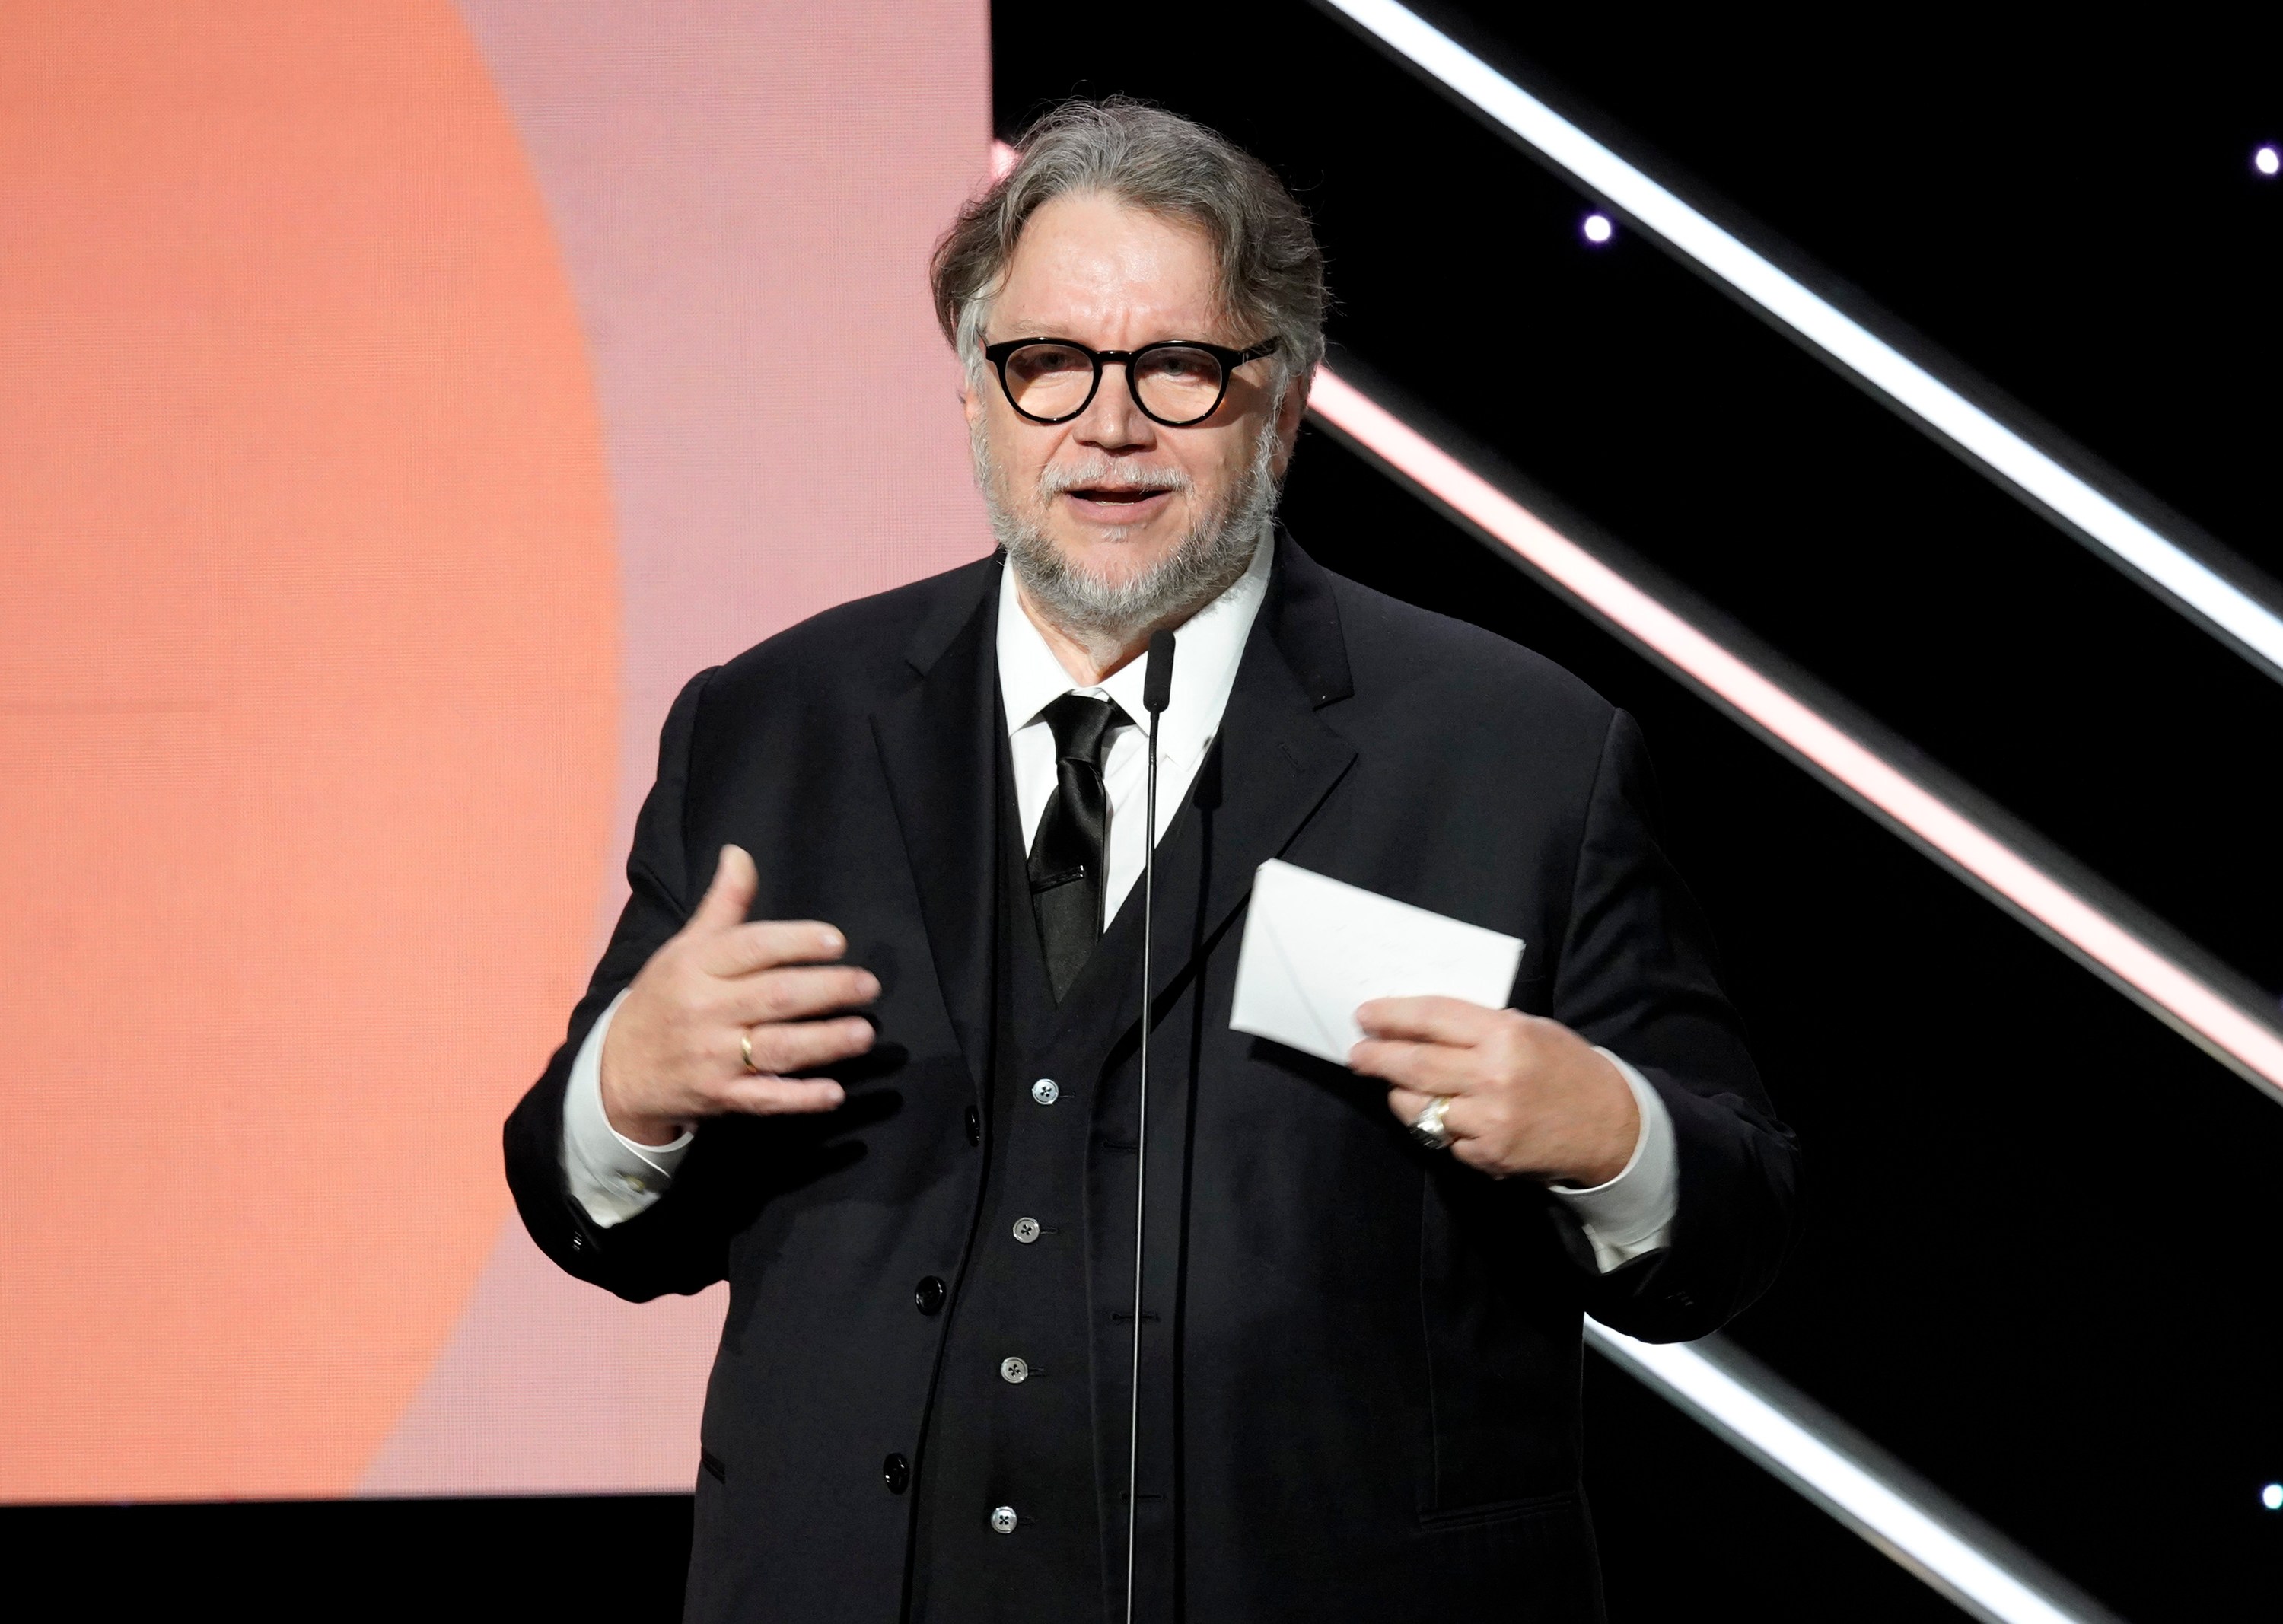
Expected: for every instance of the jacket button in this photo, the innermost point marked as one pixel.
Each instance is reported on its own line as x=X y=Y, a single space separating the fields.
x=896 y=1472
x=1003 y=1519
x=927 y=1295
x=1014 y=1370
x=1026 y=1229
x=974 y=1126
x=1046 y=1090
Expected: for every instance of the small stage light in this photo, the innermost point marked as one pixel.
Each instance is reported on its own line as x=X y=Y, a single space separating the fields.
x=1598 y=229
x=2272 y=1496
x=2267 y=160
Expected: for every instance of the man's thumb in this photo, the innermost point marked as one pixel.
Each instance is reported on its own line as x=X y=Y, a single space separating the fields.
x=723 y=906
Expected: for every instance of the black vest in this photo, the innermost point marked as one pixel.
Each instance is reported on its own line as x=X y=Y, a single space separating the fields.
x=1042 y=1438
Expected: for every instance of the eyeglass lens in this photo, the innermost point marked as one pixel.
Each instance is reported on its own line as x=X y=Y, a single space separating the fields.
x=1175 y=384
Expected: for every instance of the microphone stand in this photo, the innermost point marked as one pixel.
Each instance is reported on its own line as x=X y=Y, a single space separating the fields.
x=1156 y=692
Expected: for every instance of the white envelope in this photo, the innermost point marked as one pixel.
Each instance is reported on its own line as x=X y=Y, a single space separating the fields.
x=1315 y=949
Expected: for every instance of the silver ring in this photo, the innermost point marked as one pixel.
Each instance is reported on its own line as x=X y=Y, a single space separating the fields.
x=745 y=1047
x=1427 y=1126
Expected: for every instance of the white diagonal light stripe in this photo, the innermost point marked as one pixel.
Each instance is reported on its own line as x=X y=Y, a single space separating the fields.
x=2204 y=1011
x=2186 y=579
x=1975 y=1572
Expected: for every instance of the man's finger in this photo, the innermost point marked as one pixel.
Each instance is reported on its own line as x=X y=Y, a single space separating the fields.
x=1428 y=1020
x=1424 y=1068
x=723 y=906
x=1405 y=1106
x=772 y=942
x=784 y=1095
x=802 y=1046
x=797 y=994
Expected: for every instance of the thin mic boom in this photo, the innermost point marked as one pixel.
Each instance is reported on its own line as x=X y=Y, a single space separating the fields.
x=1156 y=693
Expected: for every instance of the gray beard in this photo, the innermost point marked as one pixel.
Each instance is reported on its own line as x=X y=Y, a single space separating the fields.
x=1108 y=616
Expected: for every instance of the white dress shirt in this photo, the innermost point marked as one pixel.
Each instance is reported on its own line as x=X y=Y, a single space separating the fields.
x=614 y=1178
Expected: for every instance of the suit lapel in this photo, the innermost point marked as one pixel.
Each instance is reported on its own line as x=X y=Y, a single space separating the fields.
x=1272 y=764
x=938 y=744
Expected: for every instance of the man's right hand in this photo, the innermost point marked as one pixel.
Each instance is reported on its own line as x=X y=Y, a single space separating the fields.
x=673 y=1054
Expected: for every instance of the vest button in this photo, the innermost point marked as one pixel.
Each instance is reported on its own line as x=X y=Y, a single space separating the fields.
x=928 y=1296
x=1014 y=1370
x=896 y=1472
x=974 y=1126
x=1003 y=1519
x=1046 y=1090
x=1026 y=1229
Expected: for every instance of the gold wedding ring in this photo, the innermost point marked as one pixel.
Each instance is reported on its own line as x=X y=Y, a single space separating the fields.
x=745 y=1047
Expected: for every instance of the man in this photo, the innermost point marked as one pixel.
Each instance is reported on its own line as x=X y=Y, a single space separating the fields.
x=1359 y=1331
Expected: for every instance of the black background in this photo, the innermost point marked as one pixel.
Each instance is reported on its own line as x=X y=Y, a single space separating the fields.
x=2035 y=1264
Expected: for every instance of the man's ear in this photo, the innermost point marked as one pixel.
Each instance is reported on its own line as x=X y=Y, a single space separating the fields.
x=1294 y=406
x=1289 y=411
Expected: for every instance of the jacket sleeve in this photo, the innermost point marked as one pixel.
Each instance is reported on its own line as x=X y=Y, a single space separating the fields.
x=1636 y=975
x=673 y=1246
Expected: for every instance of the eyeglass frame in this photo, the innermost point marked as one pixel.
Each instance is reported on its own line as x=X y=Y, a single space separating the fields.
x=1229 y=360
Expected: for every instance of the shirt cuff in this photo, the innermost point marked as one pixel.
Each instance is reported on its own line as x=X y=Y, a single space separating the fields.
x=1631 y=1215
x=610 y=1176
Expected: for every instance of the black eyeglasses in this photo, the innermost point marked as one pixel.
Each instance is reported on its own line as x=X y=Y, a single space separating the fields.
x=1177 y=382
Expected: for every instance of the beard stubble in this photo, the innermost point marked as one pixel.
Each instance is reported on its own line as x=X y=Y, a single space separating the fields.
x=1105 y=615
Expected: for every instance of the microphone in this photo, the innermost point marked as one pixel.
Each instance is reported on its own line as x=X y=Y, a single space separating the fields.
x=1156 y=693
x=1157 y=676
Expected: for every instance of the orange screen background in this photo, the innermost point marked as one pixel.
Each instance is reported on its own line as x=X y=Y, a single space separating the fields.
x=397 y=402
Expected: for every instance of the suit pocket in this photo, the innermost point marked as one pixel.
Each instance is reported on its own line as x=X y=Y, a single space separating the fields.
x=1561 y=1505
x=1536 y=1556
x=1500 y=1315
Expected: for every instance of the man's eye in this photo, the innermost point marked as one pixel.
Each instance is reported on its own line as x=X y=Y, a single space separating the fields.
x=1181 y=366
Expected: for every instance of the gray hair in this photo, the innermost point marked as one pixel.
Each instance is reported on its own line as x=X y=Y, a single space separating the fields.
x=1271 y=272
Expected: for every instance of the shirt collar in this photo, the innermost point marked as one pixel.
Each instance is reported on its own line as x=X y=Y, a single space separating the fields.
x=1210 y=644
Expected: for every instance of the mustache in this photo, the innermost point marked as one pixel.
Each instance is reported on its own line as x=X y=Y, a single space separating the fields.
x=1098 y=472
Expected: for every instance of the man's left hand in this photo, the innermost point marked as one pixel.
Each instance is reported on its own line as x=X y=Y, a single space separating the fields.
x=1528 y=1096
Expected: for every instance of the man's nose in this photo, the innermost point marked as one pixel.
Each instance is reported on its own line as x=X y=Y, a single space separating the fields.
x=1111 y=420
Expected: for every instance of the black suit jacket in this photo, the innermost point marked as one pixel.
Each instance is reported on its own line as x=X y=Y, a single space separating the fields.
x=1375 y=1351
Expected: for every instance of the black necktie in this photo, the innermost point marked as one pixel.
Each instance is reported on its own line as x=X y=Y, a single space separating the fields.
x=1068 y=868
